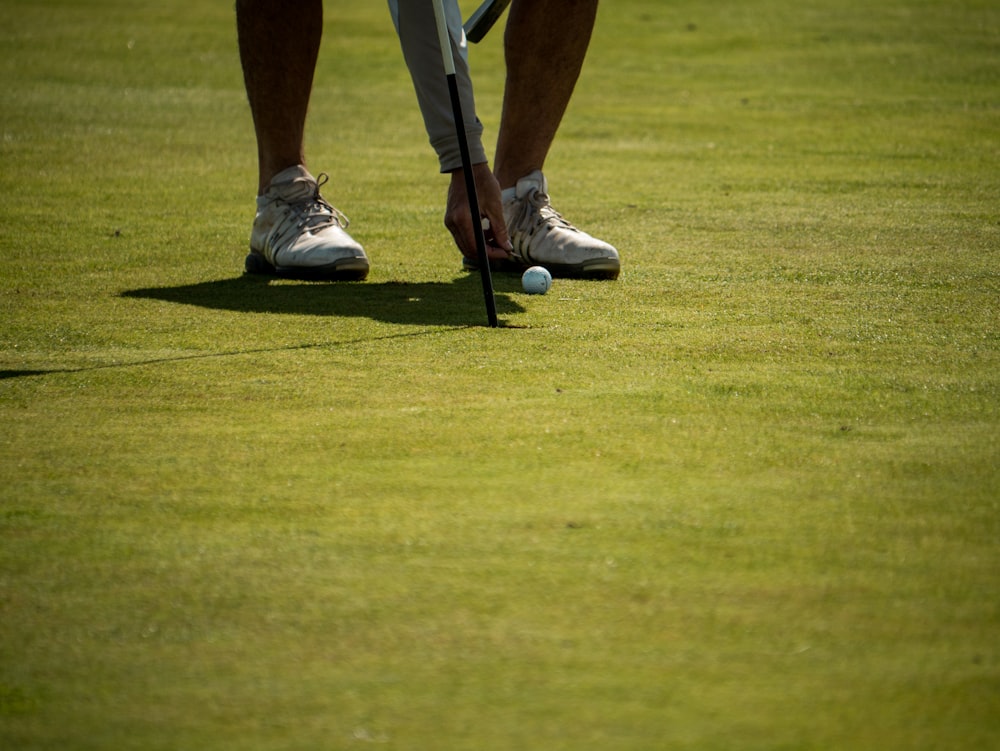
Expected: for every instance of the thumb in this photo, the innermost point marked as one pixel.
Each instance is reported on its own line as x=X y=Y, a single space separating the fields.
x=496 y=232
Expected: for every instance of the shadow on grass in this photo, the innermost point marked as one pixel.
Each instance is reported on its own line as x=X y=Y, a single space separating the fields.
x=456 y=303
x=5 y=374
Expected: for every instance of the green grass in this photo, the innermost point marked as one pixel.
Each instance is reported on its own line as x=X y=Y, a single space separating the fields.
x=747 y=496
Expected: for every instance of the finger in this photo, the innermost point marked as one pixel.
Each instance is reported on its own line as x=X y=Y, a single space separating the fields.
x=491 y=206
x=499 y=237
x=463 y=235
x=465 y=243
x=497 y=248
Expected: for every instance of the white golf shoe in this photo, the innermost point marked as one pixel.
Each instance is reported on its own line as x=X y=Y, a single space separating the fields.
x=296 y=233
x=541 y=237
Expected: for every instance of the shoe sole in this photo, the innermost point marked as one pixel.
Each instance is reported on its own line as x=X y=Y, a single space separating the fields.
x=346 y=270
x=600 y=269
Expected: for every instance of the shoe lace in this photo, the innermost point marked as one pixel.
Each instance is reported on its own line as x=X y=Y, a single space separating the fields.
x=535 y=214
x=310 y=213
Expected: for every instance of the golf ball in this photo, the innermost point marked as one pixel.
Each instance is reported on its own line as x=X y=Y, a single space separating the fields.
x=536 y=280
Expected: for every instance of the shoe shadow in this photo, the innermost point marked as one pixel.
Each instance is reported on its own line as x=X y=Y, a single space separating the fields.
x=456 y=303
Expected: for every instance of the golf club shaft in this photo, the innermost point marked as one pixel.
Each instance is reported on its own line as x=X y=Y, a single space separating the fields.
x=482 y=20
x=463 y=144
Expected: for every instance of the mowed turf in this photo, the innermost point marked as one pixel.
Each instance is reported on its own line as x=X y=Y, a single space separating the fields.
x=747 y=496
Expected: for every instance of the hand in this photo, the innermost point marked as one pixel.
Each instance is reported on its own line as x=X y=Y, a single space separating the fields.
x=458 y=220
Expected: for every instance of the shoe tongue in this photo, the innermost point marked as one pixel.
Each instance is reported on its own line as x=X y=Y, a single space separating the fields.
x=532 y=183
x=293 y=184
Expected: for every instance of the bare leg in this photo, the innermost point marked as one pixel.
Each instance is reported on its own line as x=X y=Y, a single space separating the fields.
x=279 y=43
x=545 y=44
